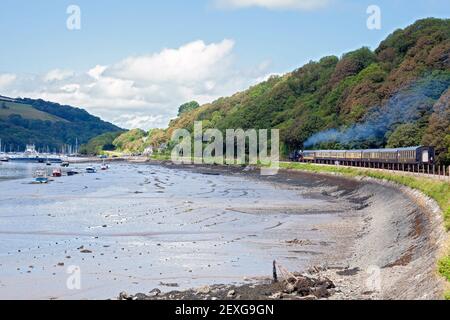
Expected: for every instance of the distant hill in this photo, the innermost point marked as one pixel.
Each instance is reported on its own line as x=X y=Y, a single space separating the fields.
x=46 y=124
x=395 y=96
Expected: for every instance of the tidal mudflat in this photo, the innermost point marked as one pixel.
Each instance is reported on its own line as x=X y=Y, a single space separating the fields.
x=136 y=227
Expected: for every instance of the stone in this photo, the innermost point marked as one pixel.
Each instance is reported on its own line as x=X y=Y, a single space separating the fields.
x=231 y=293
x=303 y=285
x=320 y=291
x=276 y=296
x=290 y=288
x=307 y=298
x=123 y=296
x=154 y=293
x=140 y=296
x=203 y=290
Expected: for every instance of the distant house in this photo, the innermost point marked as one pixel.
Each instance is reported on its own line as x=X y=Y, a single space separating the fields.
x=148 y=151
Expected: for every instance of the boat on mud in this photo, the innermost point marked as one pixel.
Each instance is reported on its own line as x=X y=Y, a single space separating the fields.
x=91 y=170
x=71 y=173
x=104 y=167
x=40 y=176
x=57 y=173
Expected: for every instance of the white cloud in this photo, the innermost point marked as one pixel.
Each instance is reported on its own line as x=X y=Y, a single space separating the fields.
x=143 y=91
x=6 y=80
x=57 y=75
x=193 y=62
x=273 y=4
x=97 y=71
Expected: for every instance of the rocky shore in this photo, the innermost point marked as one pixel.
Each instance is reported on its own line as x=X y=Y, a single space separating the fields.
x=297 y=287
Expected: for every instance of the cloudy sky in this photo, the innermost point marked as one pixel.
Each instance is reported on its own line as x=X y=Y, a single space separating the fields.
x=134 y=62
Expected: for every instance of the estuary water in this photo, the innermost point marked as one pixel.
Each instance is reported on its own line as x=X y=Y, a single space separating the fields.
x=137 y=227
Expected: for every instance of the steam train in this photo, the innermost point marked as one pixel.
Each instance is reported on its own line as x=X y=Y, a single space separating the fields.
x=375 y=157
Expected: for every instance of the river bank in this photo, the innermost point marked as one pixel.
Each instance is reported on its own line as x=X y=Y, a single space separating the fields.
x=158 y=225
x=138 y=225
x=385 y=248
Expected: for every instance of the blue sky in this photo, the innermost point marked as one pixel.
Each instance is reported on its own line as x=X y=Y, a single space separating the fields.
x=232 y=44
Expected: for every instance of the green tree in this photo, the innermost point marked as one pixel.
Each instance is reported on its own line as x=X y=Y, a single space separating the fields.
x=96 y=145
x=405 y=135
x=188 y=107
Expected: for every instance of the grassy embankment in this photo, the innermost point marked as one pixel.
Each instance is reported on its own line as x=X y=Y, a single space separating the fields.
x=436 y=189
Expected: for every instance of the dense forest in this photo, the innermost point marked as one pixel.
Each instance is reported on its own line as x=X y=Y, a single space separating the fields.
x=47 y=125
x=397 y=95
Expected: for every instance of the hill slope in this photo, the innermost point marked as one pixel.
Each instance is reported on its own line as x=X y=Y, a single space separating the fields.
x=46 y=124
x=363 y=99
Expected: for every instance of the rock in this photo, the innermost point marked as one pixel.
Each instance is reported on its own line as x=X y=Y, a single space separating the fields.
x=140 y=296
x=231 y=293
x=327 y=283
x=303 y=285
x=154 y=293
x=307 y=298
x=290 y=288
x=276 y=296
x=203 y=290
x=320 y=291
x=123 y=296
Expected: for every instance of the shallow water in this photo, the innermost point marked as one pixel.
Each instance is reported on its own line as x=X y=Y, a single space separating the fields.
x=145 y=225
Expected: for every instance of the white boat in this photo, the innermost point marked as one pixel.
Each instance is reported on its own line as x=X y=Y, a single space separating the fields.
x=104 y=166
x=32 y=156
x=91 y=170
x=40 y=176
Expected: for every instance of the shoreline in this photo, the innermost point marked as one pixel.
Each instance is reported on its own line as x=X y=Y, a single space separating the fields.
x=409 y=223
x=415 y=257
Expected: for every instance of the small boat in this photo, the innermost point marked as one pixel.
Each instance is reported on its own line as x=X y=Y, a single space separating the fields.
x=48 y=163
x=40 y=176
x=65 y=164
x=4 y=159
x=72 y=173
x=104 y=166
x=57 y=173
x=91 y=170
